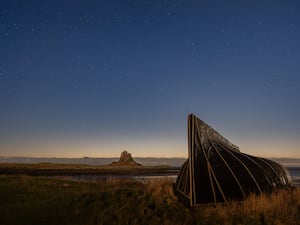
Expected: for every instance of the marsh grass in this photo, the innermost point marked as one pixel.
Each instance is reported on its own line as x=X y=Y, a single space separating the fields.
x=36 y=200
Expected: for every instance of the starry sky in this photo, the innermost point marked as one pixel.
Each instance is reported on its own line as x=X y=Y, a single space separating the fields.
x=91 y=78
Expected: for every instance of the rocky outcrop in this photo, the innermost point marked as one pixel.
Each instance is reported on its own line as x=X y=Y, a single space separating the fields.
x=125 y=160
x=125 y=157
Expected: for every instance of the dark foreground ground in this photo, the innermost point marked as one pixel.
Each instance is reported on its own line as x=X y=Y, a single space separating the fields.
x=51 y=169
x=38 y=200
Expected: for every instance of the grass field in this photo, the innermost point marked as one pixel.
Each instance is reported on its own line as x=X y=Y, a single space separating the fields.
x=51 y=169
x=36 y=200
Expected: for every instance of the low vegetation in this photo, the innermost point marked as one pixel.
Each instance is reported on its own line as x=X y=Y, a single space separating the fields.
x=55 y=169
x=37 y=200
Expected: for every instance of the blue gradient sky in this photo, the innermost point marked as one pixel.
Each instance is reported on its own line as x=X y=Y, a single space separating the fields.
x=91 y=78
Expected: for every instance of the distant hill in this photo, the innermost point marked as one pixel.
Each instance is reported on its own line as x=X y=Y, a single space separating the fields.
x=288 y=162
x=146 y=161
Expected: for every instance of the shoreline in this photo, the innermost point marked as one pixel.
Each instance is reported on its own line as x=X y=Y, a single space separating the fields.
x=104 y=172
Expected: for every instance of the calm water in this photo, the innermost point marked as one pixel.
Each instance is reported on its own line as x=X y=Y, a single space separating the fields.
x=95 y=178
x=295 y=174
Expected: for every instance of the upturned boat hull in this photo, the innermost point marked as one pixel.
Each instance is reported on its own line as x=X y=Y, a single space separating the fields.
x=216 y=171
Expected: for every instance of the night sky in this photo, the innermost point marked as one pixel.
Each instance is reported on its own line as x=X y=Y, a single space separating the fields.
x=91 y=78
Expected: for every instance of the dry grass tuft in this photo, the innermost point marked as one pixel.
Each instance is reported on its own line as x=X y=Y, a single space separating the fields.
x=282 y=207
x=161 y=190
